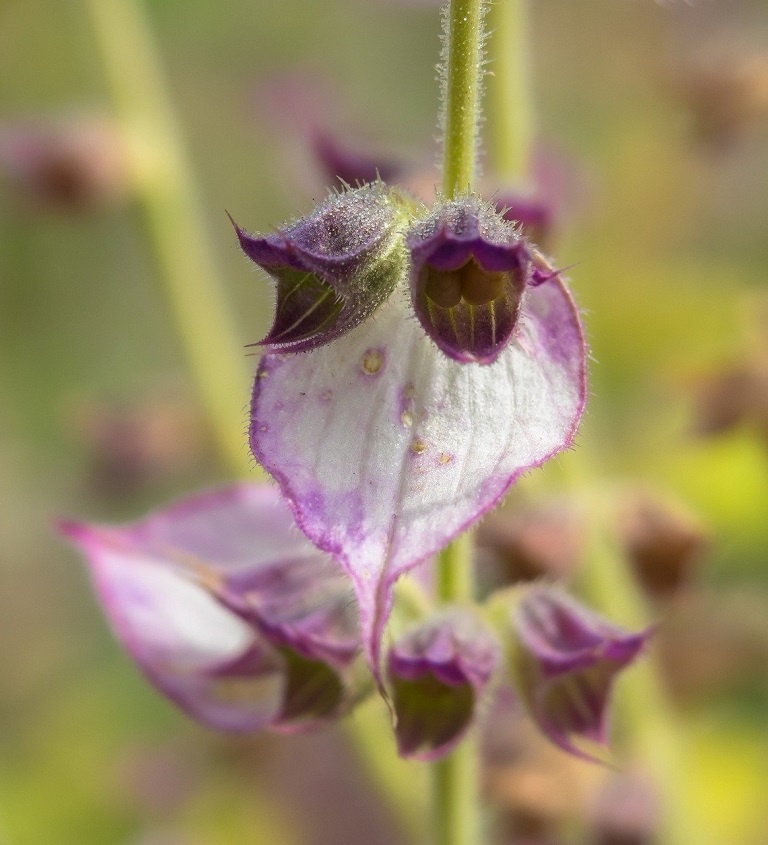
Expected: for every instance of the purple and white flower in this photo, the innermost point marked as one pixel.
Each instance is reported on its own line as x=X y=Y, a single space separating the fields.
x=397 y=436
x=228 y=610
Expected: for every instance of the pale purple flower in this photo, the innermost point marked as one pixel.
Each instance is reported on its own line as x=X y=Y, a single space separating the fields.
x=228 y=610
x=439 y=672
x=386 y=447
x=565 y=660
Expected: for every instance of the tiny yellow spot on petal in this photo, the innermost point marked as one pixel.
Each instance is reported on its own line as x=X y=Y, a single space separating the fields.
x=445 y=458
x=406 y=418
x=372 y=361
x=410 y=391
x=418 y=446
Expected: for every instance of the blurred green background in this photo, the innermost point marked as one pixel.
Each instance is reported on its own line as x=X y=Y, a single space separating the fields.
x=662 y=135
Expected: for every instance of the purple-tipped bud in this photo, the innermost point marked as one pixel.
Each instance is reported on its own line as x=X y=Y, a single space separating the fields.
x=439 y=672
x=228 y=610
x=565 y=659
x=333 y=268
x=470 y=269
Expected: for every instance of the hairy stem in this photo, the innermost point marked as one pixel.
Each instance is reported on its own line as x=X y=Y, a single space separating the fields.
x=511 y=115
x=462 y=89
x=455 y=793
x=175 y=219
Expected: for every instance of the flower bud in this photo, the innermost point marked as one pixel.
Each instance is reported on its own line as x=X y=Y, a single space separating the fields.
x=470 y=269
x=439 y=672
x=333 y=268
x=565 y=659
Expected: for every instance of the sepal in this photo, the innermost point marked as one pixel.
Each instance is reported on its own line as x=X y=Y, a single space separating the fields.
x=334 y=267
x=470 y=268
x=565 y=660
x=438 y=673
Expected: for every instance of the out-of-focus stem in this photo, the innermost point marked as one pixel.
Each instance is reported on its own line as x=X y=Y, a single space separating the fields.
x=652 y=730
x=510 y=101
x=455 y=779
x=175 y=220
x=462 y=91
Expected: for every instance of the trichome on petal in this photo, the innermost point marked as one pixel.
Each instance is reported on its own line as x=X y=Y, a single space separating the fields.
x=334 y=267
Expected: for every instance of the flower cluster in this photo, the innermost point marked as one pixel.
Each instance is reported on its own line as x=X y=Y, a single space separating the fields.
x=418 y=363
x=395 y=434
x=245 y=625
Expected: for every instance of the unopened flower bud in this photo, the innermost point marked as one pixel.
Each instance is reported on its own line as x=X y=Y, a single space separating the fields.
x=439 y=672
x=333 y=268
x=565 y=659
x=470 y=269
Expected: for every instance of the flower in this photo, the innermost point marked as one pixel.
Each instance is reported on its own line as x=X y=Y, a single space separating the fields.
x=439 y=672
x=228 y=610
x=565 y=660
x=387 y=447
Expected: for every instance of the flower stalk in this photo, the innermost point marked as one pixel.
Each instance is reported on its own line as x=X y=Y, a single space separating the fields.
x=462 y=90
x=175 y=220
x=455 y=779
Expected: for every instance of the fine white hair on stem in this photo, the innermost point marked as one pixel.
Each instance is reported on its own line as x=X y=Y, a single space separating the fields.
x=442 y=78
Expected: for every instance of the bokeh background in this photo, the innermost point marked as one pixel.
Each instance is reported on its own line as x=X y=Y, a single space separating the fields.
x=653 y=119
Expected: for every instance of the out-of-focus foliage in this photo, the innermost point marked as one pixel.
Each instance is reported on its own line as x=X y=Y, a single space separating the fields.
x=667 y=232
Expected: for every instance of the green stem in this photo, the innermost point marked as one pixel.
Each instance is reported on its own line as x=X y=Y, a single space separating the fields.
x=455 y=792
x=511 y=112
x=455 y=581
x=461 y=93
x=175 y=219
x=455 y=779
